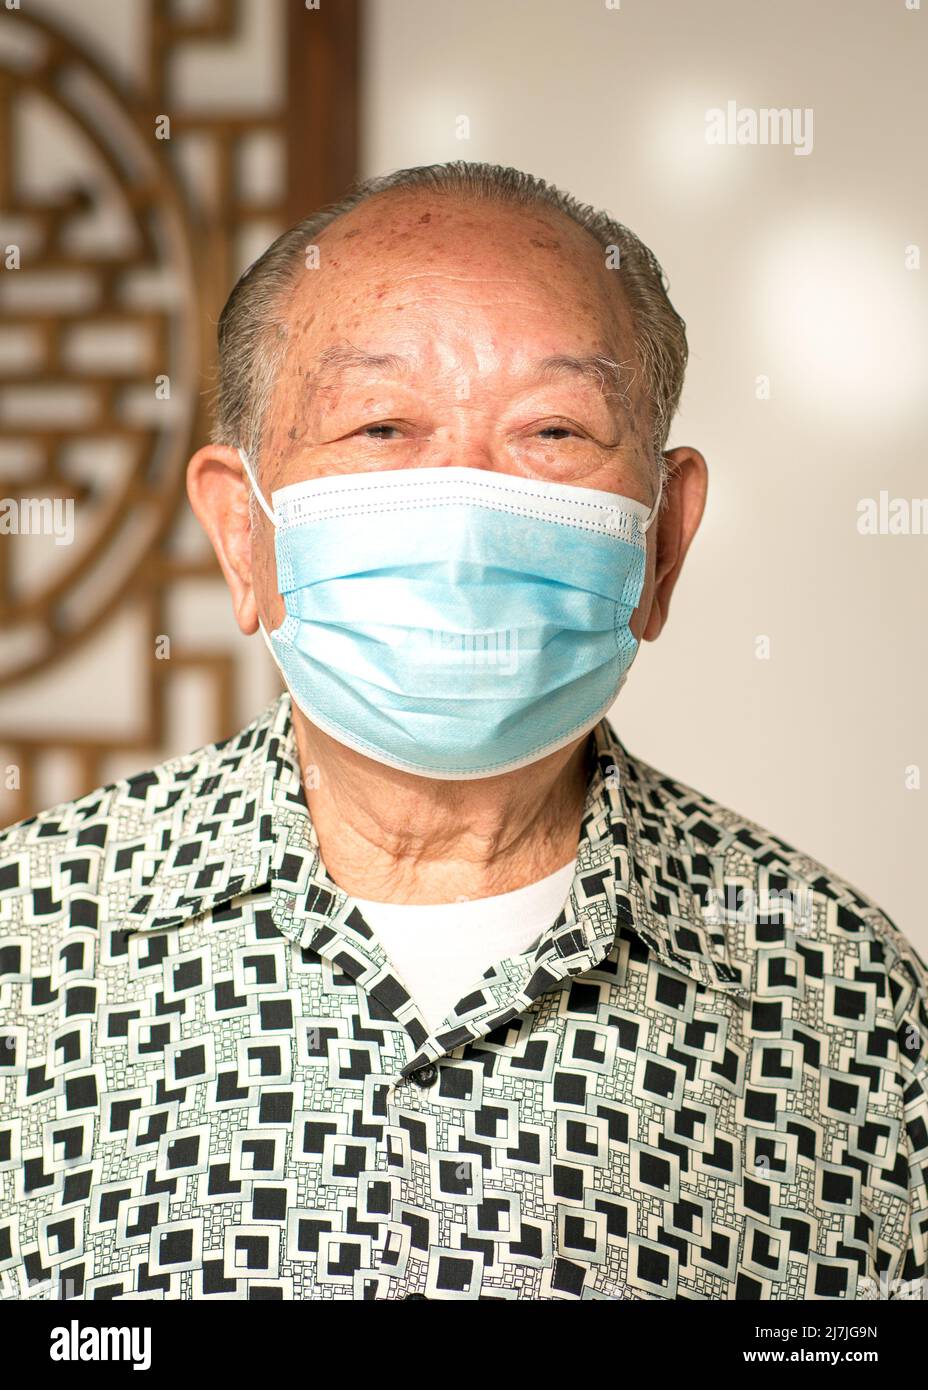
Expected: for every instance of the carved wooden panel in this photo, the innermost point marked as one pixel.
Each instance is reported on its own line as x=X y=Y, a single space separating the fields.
x=148 y=152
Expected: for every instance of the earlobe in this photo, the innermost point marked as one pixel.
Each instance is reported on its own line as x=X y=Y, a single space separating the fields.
x=652 y=628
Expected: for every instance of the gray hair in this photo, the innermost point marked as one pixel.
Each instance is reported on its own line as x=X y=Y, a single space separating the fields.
x=252 y=328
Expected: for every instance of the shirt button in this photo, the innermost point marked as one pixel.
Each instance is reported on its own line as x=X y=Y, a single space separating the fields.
x=425 y=1076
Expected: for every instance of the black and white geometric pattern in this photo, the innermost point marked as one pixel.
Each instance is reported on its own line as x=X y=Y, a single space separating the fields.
x=213 y=1085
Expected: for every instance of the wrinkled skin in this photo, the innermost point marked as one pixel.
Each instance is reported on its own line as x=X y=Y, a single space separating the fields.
x=474 y=295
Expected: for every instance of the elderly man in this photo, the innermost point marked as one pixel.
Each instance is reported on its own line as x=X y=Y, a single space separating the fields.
x=422 y=986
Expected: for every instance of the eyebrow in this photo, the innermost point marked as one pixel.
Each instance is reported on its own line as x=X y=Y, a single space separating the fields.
x=333 y=361
x=611 y=377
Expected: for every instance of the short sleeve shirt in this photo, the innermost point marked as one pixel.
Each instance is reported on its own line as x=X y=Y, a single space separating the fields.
x=706 y=1080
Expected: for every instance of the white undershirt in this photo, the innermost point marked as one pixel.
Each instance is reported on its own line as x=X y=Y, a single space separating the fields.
x=440 y=950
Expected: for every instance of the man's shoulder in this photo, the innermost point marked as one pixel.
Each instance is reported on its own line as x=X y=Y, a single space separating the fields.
x=743 y=870
x=118 y=813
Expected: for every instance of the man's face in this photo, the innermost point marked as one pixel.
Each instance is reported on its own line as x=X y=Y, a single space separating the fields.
x=473 y=299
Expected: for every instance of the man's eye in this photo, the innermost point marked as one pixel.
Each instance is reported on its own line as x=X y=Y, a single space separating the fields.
x=560 y=431
x=375 y=431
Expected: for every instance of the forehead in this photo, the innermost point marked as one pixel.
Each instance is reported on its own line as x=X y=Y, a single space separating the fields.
x=442 y=260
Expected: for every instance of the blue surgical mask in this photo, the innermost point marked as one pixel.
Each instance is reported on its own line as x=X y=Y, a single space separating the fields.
x=454 y=622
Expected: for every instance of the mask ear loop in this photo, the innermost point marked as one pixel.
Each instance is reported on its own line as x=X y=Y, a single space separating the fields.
x=273 y=520
x=656 y=508
x=255 y=489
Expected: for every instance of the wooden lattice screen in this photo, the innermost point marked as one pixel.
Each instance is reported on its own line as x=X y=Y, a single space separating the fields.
x=149 y=150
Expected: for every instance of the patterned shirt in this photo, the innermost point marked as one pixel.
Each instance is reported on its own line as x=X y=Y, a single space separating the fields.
x=707 y=1080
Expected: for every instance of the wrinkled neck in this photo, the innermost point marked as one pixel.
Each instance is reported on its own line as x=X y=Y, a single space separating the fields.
x=390 y=836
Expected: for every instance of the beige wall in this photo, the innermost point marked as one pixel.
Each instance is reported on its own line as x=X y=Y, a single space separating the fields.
x=789 y=267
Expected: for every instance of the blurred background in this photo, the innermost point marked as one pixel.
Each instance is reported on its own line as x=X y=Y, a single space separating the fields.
x=150 y=151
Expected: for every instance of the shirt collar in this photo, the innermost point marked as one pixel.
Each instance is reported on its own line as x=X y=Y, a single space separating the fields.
x=637 y=864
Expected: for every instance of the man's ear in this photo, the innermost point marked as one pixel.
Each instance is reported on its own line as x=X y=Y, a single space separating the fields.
x=218 y=491
x=676 y=524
